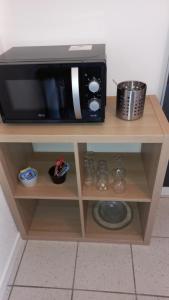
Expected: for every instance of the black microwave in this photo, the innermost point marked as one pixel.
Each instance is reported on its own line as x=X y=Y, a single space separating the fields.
x=53 y=84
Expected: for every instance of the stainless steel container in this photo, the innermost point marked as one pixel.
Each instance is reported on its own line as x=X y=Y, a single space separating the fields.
x=130 y=100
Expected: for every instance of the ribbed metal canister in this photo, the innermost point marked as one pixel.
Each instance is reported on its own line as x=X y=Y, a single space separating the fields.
x=130 y=100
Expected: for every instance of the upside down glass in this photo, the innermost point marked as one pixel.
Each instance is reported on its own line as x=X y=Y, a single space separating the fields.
x=119 y=175
x=119 y=181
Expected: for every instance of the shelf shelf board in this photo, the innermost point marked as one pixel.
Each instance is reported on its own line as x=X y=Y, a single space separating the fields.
x=57 y=219
x=146 y=129
x=45 y=188
x=137 y=187
x=131 y=233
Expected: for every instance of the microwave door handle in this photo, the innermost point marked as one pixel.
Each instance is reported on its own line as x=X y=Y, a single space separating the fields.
x=75 y=92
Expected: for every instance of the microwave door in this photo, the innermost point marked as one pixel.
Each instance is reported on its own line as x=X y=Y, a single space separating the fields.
x=51 y=90
x=75 y=92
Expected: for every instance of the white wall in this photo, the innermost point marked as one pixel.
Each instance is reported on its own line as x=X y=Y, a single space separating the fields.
x=9 y=235
x=135 y=32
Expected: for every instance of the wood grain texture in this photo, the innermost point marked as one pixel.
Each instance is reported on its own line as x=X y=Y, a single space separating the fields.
x=150 y=154
x=14 y=157
x=163 y=122
x=26 y=210
x=59 y=217
x=147 y=129
x=159 y=179
x=11 y=202
x=79 y=150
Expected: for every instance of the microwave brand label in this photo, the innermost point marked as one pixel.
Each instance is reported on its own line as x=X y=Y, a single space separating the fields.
x=41 y=115
x=80 y=48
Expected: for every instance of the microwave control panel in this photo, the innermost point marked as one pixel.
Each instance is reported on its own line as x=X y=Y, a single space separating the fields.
x=94 y=92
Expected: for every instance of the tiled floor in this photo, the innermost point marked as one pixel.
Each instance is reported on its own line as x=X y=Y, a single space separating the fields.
x=91 y=271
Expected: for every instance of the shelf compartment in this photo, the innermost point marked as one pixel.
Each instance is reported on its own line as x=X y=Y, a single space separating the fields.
x=137 y=187
x=51 y=219
x=45 y=188
x=131 y=233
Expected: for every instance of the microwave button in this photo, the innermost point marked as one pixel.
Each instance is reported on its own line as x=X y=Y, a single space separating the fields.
x=94 y=86
x=94 y=104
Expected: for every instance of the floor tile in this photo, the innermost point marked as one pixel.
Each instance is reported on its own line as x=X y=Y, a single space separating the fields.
x=6 y=293
x=25 y=293
x=104 y=267
x=16 y=261
x=86 y=295
x=47 y=264
x=151 y=265
x=161 y=226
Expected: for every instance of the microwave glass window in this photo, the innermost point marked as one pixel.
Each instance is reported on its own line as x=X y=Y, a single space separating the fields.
x=51 y=91
x=45 y=97
x=32 y=99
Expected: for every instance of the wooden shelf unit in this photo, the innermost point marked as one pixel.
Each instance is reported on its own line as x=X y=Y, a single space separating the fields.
x=64 y=212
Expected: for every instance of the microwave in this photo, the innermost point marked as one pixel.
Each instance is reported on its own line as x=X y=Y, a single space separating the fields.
x=53 y=84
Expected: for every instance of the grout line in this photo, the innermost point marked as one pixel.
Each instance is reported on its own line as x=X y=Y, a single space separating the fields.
x=17 y=270
x=106 y=292
x=75 y=270
x=88 y=290
x=42 y=287
x=159 y=237
x=132 y=260
x=68 y=289
x=10 y=293
x=151 y=295
x=20 y=262
x=72 y=295
x=85 y=290
x=123 y=293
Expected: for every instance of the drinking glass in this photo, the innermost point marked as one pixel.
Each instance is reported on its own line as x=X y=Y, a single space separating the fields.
x=119 y=181
x=102 y=176
x=89 y=168
x=118 y=175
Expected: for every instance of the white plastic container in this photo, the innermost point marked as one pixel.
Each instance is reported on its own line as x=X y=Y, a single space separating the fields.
x=29 y=182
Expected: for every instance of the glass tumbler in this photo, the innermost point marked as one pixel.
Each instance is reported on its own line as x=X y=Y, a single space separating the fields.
x=102 y=176
x=89 y=169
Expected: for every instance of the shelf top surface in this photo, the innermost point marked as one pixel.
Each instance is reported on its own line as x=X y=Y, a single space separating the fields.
x=152 y=127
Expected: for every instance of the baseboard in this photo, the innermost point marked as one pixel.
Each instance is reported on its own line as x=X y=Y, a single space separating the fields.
x=165 y=192
x=12 y=264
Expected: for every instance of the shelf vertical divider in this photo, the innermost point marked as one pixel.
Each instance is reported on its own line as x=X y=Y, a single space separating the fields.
x=79 y=150
x=149 y=213
x=8 y=193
